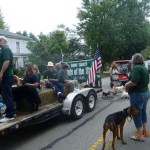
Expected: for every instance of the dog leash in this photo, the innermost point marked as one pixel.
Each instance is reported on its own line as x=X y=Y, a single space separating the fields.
x=127 y=117
x=130 y=119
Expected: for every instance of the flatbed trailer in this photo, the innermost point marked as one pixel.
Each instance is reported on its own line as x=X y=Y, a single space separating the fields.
x=75 y=104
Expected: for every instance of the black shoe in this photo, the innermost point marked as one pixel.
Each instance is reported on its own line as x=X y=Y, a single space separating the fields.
x=60 y=100
x=36 y=107
x=62 y=96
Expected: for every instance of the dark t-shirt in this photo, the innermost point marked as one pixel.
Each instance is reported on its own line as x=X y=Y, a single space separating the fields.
x=33 y=79
x=63 y=76
x=51 y=74
x=139 y=75
x=6 y=54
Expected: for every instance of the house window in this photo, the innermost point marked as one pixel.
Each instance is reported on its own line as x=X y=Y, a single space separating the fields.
x=18 y=47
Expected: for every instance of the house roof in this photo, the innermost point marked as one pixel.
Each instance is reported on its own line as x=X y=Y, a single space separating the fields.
x=13 y=35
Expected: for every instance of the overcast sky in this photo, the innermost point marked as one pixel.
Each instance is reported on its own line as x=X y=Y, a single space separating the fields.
x=39 y=15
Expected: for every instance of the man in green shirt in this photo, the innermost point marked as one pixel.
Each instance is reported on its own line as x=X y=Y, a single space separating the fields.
x=6 y=79
x=51 y=77
x=64 y=78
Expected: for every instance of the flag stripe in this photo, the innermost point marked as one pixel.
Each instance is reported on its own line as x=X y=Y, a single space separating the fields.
x=96 y=65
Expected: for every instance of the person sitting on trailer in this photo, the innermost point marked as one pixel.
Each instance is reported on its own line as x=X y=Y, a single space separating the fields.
x=64 y=78
x=36 y=70
x=29 y=82
x=58 y=67
x=51 y=78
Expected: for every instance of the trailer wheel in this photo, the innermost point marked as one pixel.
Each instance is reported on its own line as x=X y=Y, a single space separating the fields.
x=77 y=109
x=91 y=101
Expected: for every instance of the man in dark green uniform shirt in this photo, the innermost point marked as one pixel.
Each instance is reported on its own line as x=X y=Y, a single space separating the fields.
x=6 y=79
x=51 y=76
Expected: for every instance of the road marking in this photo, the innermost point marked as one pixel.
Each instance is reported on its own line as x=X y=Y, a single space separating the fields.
x=100 y=140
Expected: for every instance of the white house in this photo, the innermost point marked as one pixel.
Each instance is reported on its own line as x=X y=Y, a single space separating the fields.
x=17 y=44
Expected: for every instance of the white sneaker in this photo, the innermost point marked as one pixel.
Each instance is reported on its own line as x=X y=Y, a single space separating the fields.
x=4 y=115
x=5 y=119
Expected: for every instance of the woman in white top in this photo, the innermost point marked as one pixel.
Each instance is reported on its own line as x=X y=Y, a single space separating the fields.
x=114 y=76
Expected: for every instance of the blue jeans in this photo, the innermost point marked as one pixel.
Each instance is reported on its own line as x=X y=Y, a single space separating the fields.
x=139 y=100
x=59 y=87
x=6 y=87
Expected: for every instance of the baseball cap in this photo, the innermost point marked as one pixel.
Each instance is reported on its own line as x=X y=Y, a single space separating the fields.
x=50 y=64
x=4 y=38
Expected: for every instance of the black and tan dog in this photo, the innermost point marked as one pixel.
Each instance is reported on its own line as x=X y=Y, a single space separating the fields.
x=105 y=94
x=115 y=121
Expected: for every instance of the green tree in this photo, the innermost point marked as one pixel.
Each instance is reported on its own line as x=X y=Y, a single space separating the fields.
x=75 y=46
x=120 y=28
x=97 y=27
x=146 y=53
x=48 y=47
x=30 y=35
x=133 y=26
x=3 y=25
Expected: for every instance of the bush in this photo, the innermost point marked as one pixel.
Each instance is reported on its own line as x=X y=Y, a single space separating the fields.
x=19 y=72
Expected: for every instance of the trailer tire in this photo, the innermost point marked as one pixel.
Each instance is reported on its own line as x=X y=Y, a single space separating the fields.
x=91 y=101
x=77 y=109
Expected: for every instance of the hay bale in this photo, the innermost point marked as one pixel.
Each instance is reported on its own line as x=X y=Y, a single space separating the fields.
x=47 y=96
x=66 y=91
x=81 y=86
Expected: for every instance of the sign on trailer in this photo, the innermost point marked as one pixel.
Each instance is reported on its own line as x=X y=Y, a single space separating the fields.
x=79 y=70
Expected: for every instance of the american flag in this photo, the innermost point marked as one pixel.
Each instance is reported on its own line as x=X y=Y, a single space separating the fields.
x=96 y=65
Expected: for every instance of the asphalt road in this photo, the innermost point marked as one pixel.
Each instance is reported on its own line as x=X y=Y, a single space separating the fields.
x=61 y=133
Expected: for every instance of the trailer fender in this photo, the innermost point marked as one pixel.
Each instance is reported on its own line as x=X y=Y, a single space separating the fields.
x=70 y=98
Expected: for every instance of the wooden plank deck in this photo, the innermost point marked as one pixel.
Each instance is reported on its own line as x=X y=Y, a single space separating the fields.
x=25 y=115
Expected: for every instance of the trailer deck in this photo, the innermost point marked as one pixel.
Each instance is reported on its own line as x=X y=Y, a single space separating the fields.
x=26 y=119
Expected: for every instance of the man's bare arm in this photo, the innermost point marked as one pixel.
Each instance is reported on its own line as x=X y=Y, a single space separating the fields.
x=3 y=69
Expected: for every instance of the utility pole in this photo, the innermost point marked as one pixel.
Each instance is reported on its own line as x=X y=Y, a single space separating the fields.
x=62 y=56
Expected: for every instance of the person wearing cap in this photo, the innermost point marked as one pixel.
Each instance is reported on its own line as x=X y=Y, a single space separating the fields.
x=51 y=77
x=6 y=79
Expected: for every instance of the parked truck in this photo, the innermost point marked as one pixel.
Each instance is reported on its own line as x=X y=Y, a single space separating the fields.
x=75 y=104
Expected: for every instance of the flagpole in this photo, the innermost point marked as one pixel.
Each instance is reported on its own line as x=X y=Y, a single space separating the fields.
x=97 y=45
x=62 y=56
x=100 y=84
